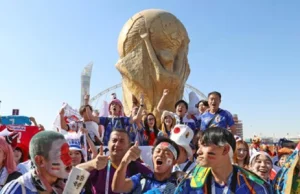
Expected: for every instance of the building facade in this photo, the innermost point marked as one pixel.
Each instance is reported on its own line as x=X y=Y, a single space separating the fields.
x=239 y=126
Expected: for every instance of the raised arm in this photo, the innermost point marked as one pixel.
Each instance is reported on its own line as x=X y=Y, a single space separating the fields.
x=90 y=142
x=33 y=121
x=138 y=116
x=89 y=111
x=120 y=183
x=162 y=100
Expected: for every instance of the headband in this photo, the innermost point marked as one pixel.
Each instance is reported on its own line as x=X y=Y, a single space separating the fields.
x=169 y=146
x=259 y=153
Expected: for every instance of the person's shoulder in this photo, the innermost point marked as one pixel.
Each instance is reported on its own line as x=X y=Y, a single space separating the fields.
x=225 y=112
x=142 y=168
x=247 y=178
x=13 y=187
x=12 y=176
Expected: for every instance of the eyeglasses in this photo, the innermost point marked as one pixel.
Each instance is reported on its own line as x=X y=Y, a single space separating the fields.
x=151 y=119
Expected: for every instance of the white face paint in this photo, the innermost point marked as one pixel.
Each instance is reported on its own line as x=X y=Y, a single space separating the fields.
x=169 y=162
x=59 y=161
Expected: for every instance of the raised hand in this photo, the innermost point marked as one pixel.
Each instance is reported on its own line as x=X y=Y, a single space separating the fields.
x=166 y=92
x=133 y=153
x=32 y=119
x=100 y=161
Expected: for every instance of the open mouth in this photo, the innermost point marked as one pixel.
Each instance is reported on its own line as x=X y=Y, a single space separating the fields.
x=159 y=162
x=263 y=171
x=114 y=109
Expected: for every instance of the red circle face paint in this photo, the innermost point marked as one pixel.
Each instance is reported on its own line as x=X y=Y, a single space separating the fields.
x=65 y=154
x=176 y=130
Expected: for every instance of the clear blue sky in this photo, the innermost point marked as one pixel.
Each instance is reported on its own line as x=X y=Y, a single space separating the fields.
x=247 y=50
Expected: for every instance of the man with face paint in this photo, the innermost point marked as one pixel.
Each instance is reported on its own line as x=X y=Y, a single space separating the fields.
x=164 y=156
x=102 y=168
x=49 y=153
x=215 y=173
x=181 y=108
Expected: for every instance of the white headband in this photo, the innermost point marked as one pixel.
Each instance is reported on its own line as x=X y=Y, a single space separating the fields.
x=259 y=153
x=169 y=146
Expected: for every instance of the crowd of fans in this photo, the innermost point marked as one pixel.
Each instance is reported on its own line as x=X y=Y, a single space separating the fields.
x=197 y=153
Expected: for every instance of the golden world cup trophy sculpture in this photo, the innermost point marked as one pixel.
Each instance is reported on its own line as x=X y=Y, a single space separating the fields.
x=153 y=49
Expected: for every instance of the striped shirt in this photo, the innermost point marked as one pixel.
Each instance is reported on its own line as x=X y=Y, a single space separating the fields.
x=22 y=185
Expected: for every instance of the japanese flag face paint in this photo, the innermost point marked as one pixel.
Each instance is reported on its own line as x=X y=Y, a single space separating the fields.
x=59 y=161
x=169 y=162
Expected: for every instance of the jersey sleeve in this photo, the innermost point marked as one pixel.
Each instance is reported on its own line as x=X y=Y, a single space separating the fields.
x=102 y=120
x=202 y=124
x=13 y=187
x=229 y=118
x=136 y=180
x=126 y=121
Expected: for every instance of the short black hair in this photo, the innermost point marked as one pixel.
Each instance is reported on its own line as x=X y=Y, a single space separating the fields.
x=120 y=130
x=218 y=136
x=83 y=107
x=204 y=102
x=216 y=93
x=168 y=140
x=182 y=101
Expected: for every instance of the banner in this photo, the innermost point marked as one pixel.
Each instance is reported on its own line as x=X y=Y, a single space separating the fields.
x=71 y=114
x=25 y=132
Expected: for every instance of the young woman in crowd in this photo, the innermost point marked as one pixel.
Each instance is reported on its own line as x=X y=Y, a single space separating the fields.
x=8 y=170
x=241 y=156
x=20 y=154
x=283 y=155
x=168 y=122
x=150 y=129
x=77 y=154
x=261 y=164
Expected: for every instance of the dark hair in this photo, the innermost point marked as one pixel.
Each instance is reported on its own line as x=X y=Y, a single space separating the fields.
x=182 y=101
x=216 y=93
x=22 y=156
x=120 y=130
x=147 y=129
x=165 y=139
x=83 y=107
x=196 y=139
x=204 y=102
x=41 y=143
x=218 y=136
